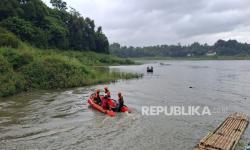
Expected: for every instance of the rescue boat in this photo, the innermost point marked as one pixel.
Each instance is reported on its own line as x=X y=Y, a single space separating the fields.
x=105 y=111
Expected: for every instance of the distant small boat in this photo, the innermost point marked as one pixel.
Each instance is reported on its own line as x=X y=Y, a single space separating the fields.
x=150 y=69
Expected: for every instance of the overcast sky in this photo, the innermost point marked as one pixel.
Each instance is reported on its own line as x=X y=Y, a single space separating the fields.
x=153 y=22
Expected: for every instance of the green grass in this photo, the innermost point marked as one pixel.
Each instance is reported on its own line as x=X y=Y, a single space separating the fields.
x=26 y=68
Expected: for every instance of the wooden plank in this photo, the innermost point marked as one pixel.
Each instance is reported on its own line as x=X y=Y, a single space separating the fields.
x=226 y=135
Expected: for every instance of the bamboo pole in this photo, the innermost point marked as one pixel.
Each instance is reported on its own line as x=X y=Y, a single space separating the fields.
x=226 y=135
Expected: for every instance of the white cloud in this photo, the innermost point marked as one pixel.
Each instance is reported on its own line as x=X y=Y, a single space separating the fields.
x=148 y=22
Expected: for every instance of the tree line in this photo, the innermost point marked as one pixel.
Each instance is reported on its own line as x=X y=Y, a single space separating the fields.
x=221 y=47
x=59 y=27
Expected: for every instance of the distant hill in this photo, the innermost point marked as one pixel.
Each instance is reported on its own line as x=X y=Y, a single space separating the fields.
x=59 y=27
x=220 y=48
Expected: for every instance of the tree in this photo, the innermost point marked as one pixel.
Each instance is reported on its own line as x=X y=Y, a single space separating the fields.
x=90 y=31
x=115 y=46
x=59 y=4
x=34 y=11
x=102 y=44
x=58 y=34
x=35 y=23
x=26 y=31
x=9 y=8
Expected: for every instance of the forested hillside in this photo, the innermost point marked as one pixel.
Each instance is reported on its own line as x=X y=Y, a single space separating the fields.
x=58 y=27
x=50 y=48
x=220 y=48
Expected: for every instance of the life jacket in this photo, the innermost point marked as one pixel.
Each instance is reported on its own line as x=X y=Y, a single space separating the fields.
x=111 y=103
x=104 y=103
x=107 y=93
x=97 y=95
x=97 y=98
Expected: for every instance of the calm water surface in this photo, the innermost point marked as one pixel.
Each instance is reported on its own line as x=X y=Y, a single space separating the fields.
x=61 y=119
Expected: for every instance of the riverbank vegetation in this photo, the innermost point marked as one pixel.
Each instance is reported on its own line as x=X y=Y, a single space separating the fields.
x=27 y=68
x=45 y=48
x=230 y=49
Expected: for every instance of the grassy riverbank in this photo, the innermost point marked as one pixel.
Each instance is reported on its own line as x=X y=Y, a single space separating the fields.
x=25 y=68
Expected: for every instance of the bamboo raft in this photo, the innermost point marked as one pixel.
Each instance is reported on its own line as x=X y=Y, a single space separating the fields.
x=227 y=135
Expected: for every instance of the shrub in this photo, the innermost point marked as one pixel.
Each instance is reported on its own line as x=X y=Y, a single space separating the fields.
x=17 y=58
x=52 y=72
x=10 y=82
x=8 y=39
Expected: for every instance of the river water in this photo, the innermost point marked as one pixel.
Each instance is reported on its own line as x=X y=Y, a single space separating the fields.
x=61 y=119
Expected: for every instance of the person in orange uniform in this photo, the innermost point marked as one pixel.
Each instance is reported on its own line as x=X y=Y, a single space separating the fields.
x=112 y=105
x=105 y=99
x=97 y=97
x=107 y=93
